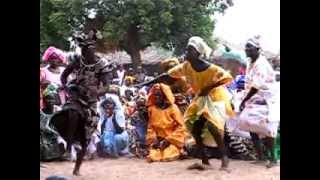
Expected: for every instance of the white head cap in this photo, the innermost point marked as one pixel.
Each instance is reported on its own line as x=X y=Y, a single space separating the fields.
x=201 y=46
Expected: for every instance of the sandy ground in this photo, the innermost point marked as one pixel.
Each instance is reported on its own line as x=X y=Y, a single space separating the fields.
x=137 y=169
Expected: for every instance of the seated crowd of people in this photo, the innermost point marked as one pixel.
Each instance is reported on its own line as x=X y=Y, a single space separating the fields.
x=146 y=122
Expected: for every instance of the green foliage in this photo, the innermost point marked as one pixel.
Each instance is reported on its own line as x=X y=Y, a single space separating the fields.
x=58 y=19
x=162 y=21
x=167 y=23
x=54 y=26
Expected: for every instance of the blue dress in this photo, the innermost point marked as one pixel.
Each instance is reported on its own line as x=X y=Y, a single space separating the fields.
x=114 y=144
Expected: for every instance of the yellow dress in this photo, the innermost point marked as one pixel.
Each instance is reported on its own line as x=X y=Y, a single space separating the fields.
x=215 y=107
x=168 y=124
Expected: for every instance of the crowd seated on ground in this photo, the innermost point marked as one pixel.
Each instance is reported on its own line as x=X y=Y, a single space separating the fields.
x=146 y=122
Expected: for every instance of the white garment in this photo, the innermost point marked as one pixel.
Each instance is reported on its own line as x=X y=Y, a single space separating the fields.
x=143 y=91
x=261 y=76
x=73 y=152
x=120 y=76
x=237 y=99
x=124 y=88
x=92 y=147
x=233 y=127
x=257 y=117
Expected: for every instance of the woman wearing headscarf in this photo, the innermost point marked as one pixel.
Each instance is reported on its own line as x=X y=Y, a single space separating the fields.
x=166 y=132
x=137 y=127
x=179 y=87
x=128 y=81
x=205 y=117
x=49 y=145
x=52 y=72
x=114 y=137
x=259 y=108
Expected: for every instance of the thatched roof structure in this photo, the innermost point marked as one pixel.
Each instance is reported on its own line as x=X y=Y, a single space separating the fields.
x=150 y=56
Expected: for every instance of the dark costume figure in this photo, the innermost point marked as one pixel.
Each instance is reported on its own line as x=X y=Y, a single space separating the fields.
x=78 y=119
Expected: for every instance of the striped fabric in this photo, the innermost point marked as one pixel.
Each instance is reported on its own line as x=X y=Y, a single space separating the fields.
x=240 y=147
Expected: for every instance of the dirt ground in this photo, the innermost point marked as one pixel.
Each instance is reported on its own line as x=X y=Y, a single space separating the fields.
x=137 y=169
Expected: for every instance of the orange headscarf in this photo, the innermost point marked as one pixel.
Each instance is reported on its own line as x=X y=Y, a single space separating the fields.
x=167 y=63
x=165 y=90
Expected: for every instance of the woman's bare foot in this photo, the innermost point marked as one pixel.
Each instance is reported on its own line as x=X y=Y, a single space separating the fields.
x=271 y=164
x=66 y=156
x=200 y=167
x=207 y=167
x=76 y=173
x=259 y=162
x=149 y=160
x=196 y=166
x=226 y=169
x=225 y=164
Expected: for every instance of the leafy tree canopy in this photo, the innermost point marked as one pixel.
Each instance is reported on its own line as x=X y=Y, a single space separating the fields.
x=131 y=25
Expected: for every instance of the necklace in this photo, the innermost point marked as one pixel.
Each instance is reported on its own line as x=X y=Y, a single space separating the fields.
x=88 y=65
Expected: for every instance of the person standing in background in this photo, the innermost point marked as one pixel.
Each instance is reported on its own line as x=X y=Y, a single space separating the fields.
x=259 y=108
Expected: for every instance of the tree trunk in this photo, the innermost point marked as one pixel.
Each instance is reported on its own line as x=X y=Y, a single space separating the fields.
x=133 y=46
x=135 y=58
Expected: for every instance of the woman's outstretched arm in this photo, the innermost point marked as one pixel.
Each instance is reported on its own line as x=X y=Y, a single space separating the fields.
x=163 y=78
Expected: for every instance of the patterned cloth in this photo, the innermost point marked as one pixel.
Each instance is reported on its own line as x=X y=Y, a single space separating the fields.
x=49 y=147
x=51 y=90
x=238 y=83
x=215 y=107
x=262 y=111
x=54 y=79
x=240 y=147
x=88 y=81
x=181 y=101
x=137 y=130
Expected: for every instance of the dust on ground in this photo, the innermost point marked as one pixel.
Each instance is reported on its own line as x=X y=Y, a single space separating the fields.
x=138 y=169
